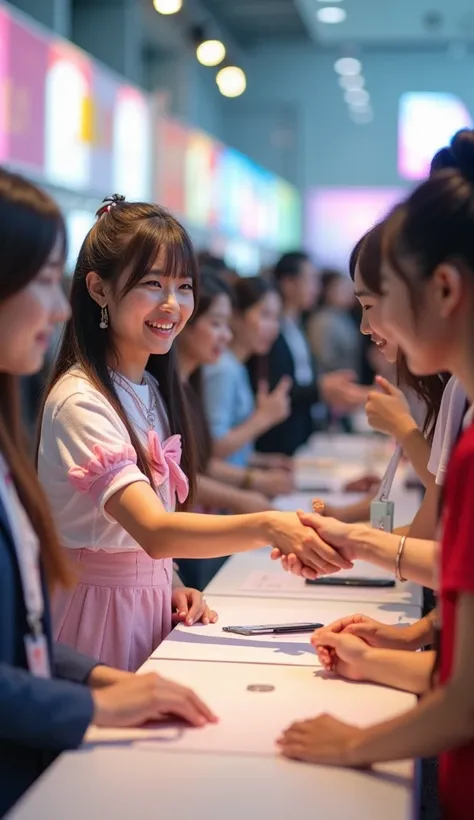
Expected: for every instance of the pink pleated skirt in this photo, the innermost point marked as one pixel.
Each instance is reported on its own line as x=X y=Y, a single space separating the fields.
x=120 y=609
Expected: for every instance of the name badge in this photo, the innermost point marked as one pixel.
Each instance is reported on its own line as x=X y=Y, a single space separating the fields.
x=37 y=656
x=381 y=515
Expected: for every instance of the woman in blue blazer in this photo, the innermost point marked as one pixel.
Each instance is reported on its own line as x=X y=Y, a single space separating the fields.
x=49 y=694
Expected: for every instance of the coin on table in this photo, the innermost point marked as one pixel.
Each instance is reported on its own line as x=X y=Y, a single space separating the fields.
x=260 y=687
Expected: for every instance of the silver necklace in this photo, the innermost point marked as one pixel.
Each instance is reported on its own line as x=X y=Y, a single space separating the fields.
x=148 y=413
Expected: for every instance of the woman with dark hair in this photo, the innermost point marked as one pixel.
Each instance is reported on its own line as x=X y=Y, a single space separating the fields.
x=236 y=416
x=428 y=306
x=331 y=330
x=49 y=693
x=117 y=452
x=407 y=412
x=220 y=486
x=204 y=340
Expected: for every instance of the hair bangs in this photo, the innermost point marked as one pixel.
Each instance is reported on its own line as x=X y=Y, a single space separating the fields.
x=159 y=244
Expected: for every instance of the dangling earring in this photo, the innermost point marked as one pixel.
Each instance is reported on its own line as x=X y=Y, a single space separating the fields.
x=104 y=318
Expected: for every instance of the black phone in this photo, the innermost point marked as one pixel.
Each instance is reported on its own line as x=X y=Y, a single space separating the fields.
x=273 y=629
x=334 y=581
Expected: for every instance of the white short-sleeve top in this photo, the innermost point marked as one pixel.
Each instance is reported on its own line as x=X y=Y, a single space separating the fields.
x=453 y=414
x=86 y=456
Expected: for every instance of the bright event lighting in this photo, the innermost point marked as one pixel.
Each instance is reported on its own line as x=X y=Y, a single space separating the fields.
x=348 y=66
x=167 y=6
x=351 y=82
x=331 y=14
x=231 y=81
x=210 y=52
x=357 y=97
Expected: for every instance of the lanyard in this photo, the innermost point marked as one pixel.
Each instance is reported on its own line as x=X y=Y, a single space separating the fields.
x=389 y=476
x=27 y=551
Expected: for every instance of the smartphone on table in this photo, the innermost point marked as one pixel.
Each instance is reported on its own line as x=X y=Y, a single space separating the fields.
x=273 y=629
x=334 y=581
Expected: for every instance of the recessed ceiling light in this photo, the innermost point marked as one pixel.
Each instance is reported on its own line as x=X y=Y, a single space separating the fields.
x=331 y=15
x=348 y=66
x=167 y=6
x=351 y=81
x=362 y=116
x=231 y=81
x=210 y=52
x=357 y=97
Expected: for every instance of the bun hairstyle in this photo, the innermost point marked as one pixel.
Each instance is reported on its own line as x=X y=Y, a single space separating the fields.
x=436 y=223
x=367 y=255
x=129 y=237
x=108 y=203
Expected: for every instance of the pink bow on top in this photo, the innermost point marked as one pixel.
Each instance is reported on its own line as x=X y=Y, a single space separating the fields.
x=165 y=463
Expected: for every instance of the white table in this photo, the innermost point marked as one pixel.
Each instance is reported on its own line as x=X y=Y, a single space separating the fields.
x=253 y=574
x=123 y=783
x=210 y=643
x=250 y=721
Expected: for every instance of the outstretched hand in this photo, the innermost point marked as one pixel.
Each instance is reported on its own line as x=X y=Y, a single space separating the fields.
x=331 y=532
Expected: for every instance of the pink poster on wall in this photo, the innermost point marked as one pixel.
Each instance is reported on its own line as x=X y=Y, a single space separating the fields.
x=26 y=68
x=68 y=117
x=4 y=90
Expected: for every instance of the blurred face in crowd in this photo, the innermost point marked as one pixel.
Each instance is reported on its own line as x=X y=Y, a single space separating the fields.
x=28 y=318
x=300 y=292
x=372 y=323
x=259 y=325
x=205 y=340
x=340 y=293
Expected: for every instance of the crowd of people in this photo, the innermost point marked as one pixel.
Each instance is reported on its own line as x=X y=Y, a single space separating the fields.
x=173 y=407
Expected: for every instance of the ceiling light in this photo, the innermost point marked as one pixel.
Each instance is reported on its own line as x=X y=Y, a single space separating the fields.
x=357 y=97
x=362 y=116
x=210 y=52
x=167 y=6
x=331 y=14
x=231 y=81
x=351 y=81
x=348 y=66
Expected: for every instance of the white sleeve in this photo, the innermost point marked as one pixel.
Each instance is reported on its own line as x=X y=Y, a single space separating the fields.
x=93 y=446
x=447 y=429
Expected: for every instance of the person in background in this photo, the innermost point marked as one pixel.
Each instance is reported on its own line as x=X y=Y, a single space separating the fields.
x=49 y=693
x=290 y=357
x=220 y=485
x=332 y=334
x=236 y=417
x=116 y=453
x=428 y=306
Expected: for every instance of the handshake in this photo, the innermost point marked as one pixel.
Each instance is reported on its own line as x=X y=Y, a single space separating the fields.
x=318 y=545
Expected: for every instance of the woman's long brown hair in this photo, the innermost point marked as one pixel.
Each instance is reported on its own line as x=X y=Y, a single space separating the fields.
x=129 y=236
x=30 y=226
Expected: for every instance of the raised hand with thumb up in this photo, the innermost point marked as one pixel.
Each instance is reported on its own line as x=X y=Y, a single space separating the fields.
x=388 y=411
x=275 y=406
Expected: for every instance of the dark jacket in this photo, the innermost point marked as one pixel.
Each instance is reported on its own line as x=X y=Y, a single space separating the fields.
x=38 y=718
x=296 y=430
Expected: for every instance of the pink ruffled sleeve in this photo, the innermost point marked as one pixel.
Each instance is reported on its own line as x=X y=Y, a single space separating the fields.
x=94 y=448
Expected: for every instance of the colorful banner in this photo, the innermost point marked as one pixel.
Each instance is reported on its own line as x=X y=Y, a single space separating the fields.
x=131 y=144
x=170 y=162
x=73 y=123
x=104 y=94
x=68 y=132
x=198 y=179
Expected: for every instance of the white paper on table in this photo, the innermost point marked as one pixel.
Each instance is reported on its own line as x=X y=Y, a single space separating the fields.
x=277 y=581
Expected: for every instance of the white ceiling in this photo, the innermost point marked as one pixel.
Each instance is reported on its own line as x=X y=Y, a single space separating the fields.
x=403 y=23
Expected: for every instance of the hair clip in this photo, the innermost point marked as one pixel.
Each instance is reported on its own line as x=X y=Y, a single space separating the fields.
x=109 y=202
